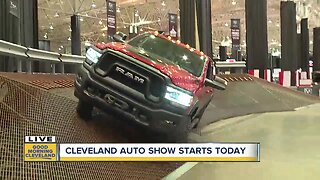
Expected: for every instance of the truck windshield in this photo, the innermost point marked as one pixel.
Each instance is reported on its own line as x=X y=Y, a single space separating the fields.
x=169 y=53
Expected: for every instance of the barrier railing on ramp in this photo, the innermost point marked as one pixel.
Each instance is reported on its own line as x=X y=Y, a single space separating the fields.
x=31 y=54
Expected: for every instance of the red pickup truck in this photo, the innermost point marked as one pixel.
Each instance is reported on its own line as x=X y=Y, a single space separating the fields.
x=155 y=81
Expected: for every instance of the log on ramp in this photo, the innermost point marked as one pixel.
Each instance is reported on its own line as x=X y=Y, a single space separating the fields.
x=26 y=110
x=249 y=95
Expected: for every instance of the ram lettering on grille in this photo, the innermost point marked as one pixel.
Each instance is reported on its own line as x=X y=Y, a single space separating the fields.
x=130 y=75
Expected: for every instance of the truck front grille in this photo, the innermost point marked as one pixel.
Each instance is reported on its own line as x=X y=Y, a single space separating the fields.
x=132 y=75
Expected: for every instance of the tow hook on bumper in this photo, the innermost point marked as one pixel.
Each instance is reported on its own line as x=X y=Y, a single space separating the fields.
x=88 y=93
x=116 y=102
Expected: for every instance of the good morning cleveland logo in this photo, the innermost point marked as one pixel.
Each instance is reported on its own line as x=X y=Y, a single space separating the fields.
x=40 y=148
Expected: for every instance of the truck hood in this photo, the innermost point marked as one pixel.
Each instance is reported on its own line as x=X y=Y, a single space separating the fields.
x=178 y=76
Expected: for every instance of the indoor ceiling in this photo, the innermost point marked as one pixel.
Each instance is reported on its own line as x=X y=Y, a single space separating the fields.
x=54 y=18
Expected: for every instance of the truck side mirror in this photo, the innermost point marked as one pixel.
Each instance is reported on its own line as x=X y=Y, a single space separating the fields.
x=217 y=83
x=120 y=37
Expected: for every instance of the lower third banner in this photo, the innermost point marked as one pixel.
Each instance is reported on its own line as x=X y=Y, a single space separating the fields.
x=208 y=152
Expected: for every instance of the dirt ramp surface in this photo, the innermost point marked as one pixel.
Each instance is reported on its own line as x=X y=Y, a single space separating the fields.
x=248 y=95
x=26 y=110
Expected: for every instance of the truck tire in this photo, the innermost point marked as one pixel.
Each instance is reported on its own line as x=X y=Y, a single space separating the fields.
x=200 y=116
x=182 y=137
x=196 y=125
x=199 y=119
x=84 y=110
x=177 y=137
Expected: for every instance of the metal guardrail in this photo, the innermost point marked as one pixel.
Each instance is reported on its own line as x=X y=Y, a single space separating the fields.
x=238 y=64
x=14 y=50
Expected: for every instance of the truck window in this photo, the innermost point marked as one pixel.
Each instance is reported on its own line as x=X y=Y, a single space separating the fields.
x=169 y=52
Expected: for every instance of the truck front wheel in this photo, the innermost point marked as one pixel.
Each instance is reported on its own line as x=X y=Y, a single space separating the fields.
x=199 y=117
x=84 y=110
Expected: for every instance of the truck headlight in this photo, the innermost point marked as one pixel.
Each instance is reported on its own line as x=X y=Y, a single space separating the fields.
x=179 y=97
x=92 y=56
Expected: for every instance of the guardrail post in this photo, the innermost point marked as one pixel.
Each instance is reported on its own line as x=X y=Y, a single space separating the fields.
x=29 y=67
x=53 y=68
x=77 y=67
x=19 y=65
x=239 y=70
x=61 y=68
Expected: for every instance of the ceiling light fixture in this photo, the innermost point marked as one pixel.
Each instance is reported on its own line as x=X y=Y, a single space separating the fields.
x=100 y=22
x=46 y=36
x=118 y=10
x=105 y=28
x=69 y=38
x=185 y=57
x=81 y=19
x=56 y=15
x=234 y=2
x=51 y=27
x=93 y=5
x=163 y=3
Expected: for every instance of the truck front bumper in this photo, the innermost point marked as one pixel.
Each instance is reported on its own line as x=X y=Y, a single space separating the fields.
x=104 y=97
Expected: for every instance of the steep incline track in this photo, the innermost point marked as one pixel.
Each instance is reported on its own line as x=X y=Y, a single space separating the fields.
x=27 y=110
x=248 y=95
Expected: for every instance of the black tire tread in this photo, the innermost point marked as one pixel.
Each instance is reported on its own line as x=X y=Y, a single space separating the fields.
x=84 y=110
